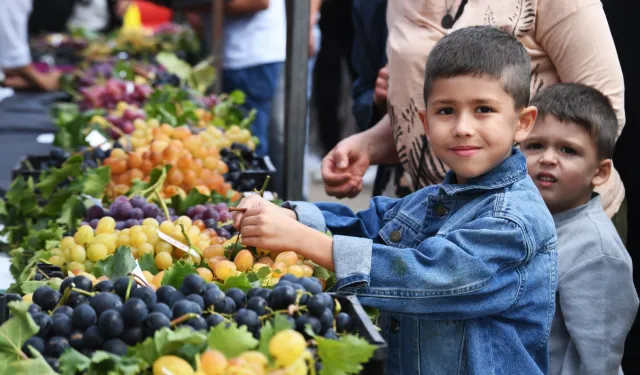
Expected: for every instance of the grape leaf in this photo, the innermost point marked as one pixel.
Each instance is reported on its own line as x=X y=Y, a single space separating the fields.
x=13 y=334
x=231 y=341
x=174 y=275
x=165 y=341
x=73 y=362
x=181 y=204
x=3 y=207
x=121 y=263
x=279 y=323
x=321 y=273
x=237 y=97
x=36 y=365
x=106 y=363
x=174 y=65
x=240 y=281
x=30 y=286
x=343 y=356
x=147 y=263
x=50 y=179
x=96 y=181
x=55 y=203
x=72 y=212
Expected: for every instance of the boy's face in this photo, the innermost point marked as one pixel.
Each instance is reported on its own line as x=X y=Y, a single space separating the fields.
x=472 y=123
x=563 y=163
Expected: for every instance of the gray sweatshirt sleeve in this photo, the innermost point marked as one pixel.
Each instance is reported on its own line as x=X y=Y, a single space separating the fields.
x=599 y=303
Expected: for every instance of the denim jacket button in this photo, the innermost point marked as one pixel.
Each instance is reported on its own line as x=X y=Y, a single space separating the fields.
x=441 y=210
x=396 y=235
x=395 y=326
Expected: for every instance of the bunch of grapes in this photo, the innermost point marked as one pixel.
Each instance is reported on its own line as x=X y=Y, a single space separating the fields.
x=112 y=92
x=127 y=212
x=210 y=215
x=240 y=158
x=124 y=118
x=111 y=315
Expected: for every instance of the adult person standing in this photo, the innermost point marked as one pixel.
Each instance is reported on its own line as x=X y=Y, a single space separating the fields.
x=567 y=41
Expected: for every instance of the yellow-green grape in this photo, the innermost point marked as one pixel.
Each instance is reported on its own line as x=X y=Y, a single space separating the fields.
x=164 y=260
x=243 y=260
x=287 y=346
x=67 y=243
x=296 y=270
x=96 y=252
x=213 y=362
x=136 y=229
x=289 y=258
x=84 y=235
x=72 y=266
x=163 y=247
x=138 y=239
x=57 y=251
x=108 y=240
x=88 y=265
x=151 y=222
x=78 y=254
x=171 y=365
x=56 y=260
x=255 y=360
x=106 y=225
x=145 y=248
x=123 y=240
x=166 y=227
x=224 y=269
x=185 y=221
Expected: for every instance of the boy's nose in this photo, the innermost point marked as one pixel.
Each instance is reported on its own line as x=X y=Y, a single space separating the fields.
x=548 y=157
x=463 y=129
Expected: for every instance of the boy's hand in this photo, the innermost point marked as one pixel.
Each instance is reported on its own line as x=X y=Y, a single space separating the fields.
x=255 y=201
x=269 y=228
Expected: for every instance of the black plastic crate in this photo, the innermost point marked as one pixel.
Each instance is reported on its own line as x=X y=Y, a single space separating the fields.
x=5 y=298
x=365 y=328
x=259 y=175
x=38 y=163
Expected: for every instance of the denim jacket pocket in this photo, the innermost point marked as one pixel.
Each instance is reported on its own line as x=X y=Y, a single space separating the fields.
x=400 y=231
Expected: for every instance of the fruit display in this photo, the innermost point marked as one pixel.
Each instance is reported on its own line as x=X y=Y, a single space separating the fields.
x=112 y=92
x=127 y=212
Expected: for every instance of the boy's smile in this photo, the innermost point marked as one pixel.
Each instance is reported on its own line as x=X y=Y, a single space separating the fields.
x=563 y=163
x=472 y=123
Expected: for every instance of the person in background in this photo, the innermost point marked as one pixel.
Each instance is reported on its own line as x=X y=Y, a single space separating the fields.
x=15 y=56
x=569 y=153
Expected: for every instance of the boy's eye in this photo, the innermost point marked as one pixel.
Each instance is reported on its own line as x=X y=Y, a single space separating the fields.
x=484 y=110
x=569 y=150
x=445 y=111
x=534 y=146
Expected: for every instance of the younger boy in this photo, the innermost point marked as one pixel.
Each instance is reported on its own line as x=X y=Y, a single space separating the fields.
x=464 y=273
x=569 y=153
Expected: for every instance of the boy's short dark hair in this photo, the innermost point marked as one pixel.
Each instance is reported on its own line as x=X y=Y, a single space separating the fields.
x=482 y=51
x=585 y=106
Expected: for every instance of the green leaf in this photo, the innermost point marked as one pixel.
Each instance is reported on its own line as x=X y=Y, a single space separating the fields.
x=13 y=334
x=263 y=273
x=174 y=275
x=174 y=65
x=280 y=323
x=72 y=212
x=231 y=341
x=3 y=207
x=121 y=263
x=343 y=356
x=192 y=199
x=240 y=281
x=49 y=180
x=148 y=263
x=30 y=286
x=96 y=181
x=237 y=97
x=107 y=363
x=73 y=362
x=36 y=365
x=321 y=273
x=166 y=341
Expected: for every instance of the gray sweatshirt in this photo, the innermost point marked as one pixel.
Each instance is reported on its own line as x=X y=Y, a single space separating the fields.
x=596 y=302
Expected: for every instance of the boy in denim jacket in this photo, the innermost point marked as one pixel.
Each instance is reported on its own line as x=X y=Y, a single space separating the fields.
x=568 y=154
x=464 y=273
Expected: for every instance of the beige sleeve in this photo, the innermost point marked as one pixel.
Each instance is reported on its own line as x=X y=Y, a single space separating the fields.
x=575 y=35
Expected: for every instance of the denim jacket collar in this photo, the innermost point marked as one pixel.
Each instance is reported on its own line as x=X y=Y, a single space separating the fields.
x=513 y=169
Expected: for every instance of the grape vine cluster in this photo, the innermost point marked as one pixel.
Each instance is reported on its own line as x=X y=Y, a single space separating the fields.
x=127 y=212
x=112 y=315
x=211 y=215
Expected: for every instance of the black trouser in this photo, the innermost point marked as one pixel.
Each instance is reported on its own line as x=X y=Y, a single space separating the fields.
x=337 y=37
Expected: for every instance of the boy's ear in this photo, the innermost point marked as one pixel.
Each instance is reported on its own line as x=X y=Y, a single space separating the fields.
x=602 y=173
x=423 y=117
x=526 y=120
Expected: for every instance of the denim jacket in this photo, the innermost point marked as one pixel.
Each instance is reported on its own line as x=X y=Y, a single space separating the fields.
x=464 y=274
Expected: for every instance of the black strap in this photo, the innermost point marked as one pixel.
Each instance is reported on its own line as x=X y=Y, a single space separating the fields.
x=460 y=10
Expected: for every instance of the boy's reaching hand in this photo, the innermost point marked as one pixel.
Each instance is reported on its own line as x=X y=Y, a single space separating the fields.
x=269 y=228
x=255 y=201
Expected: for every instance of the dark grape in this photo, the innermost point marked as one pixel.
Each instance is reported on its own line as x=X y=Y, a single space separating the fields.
x=121 y=284
x=197 y=299
x=164 y=293
x=34 y=309
x=192 y=284
x=76 y=339
x=130 y=223
x=38 y=276
x=131 y=335
x=326 y=319
x=44 y=322
x=161 y=308
x=226 y=306
x=257 y=304
x=212 y=297
x=303 y=296
x=343 y=322
x=303 y=320
x=176 y=297
x=83 y=282
x=93 y=223
x=61 y=325
x=123 y=211
x=237 y=296
x=264 y=293
x=120 y=225
x=330 y=334
x=185 y=307
x=66 y=283
x=198 y=323
x=76 y=299
x=110 y=324
x=103 y=286
x=281 y=298
x=46 y=298
x=312 y=285
x=150 y=210
x=318 y=303
x=210 y=286
x=154 y=322
x=37 y=343
x=92 y=338
x=102 y=302
x=56 y=346
x=145 y=294
x=134 y=311
x=214 y=319
x=288 y=277
x=83 y=316
x=115 y=346
x=95 y=212
x=249 y=318
x=137 y=213
x=210 y=214
x=210 y=224
x=137 y=201
x=223 y=233
x=64 y=310
x=54 y=363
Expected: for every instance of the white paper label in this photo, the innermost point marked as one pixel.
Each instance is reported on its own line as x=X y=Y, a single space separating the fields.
x=177 y=243
x=96 y=139
x=46 y=138
x=138 y=271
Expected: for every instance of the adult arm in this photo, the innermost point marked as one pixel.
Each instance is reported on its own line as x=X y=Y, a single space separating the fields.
x=245 y=7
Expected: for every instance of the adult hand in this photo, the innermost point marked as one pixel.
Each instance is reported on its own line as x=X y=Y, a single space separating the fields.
x=121 y=7
x=344 y=166
x=382 y=86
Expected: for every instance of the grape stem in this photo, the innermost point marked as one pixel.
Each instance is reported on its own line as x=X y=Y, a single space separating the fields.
x=126 y=296
x=43 y=274
x=89 y=294
x=162 y=204
x=16 y=348
x=139 y=280
x=183 y=318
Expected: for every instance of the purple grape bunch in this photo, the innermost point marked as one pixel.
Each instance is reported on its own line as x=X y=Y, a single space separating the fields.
x=128 y=212
x=125 y=121
x=212 y=215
